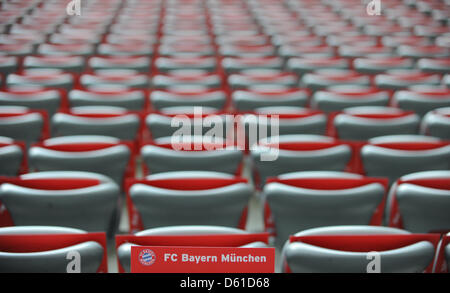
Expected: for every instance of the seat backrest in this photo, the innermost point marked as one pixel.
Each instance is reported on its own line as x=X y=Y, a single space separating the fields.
x=97 y=120
x=301 y=153
x=99 y=154
x=32 y=98
x=363 y=123
x=161 y=157
x=81 y=200
x=219 y=203
x=306 y=256
x=296 y=207
x=120 y=97
x=21 y=124
x=11 y=157
x=247 y=100
x=437 y=123
x=423 y=201
x=49 y=260
x=398 y=155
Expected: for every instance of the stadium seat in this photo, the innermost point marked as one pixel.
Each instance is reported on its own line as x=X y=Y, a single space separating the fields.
x=129 y=78
x=350 y=249
x=337 y=98
x=97 y=120
x=437 y=123
x=42 y=77
x=167 y=154
x=422 y=99
x=299 y=153
x=66 y=63
x=303 y=200
x=33 y=97
x=394 y=156
x=363 y=123
x=11 y=157
x=176 y=98
x=117 y=96
x=250 y=99
x=45 y=249
x=197 y=198
x=139 y=64
x=323 y=78
x=253 y=77
x=22 y=124
x=401 y=79
x=419 y=202
x=100 y=154
x=80 y=200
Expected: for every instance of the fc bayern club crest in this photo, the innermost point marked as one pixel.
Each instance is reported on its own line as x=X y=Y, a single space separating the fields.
x=147 y=257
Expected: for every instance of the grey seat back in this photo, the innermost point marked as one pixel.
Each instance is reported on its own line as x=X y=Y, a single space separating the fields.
x=121 y=97
x=89 y=208
x=161 y=159
x=111 y=161
x=421 y=103
x=162 y=99
x=124 y=126
x=10 y=157
x=166 y=207
x=424 y=209
x=334 y=158
x=305 y=123
x=246 y=100
x=437 y=123
x=26 y=127
x=296 y=209
x=351 y=127
x=48 y=100
x=49 y=261
x=124 y=250
x=393 y=163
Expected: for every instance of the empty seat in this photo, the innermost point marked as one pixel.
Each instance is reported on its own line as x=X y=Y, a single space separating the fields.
x=250 y=99
x=419 y=202
x=204 y=236
x=42 y=77
x=49 y=249
x=238 y=64
x=437 y=123
x=12 y=157
x=337 y=98
x=8 y=64
x=66 y=63
x=290 y=120
x=381 y=64
x=139 y=64
x=79 y=49
x=129 y=78
x=165 y=64
x=422 y=99
x=117 y=96
x=97 y=120
x=174 y=98
x=397 y=155
x=100 y=154
x=32 y=97
x=351 y=249
x=323 y=78
x=187 y=79
x=191 y=153
x=22 y=124
x=401 y=79
x=188 y=198
x=299 y=153
x=124 y=50
x=303 y=200
x=363 y=123
x=81 y=200
x=304 y=65
x=253 y=77
x=187 y=121
x=434 y=65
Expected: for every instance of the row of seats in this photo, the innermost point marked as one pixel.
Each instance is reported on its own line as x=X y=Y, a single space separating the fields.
x=293 y=202
x=385 y=156
x=321 y=250
x=353 y=124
